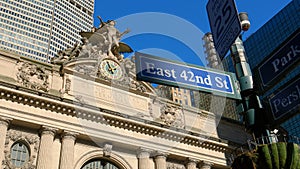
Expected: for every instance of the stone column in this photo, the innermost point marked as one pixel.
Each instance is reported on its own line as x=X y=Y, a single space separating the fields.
x=192 y=163
x=3 y=130
x=44 y=160
x=144 y=158
x=160 y=160
x=67 y=150
x=205 y=165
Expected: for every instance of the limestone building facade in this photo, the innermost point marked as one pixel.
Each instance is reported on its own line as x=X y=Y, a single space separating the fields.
x=88 y=111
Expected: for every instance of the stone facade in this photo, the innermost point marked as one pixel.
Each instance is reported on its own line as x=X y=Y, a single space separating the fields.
x=67 y=118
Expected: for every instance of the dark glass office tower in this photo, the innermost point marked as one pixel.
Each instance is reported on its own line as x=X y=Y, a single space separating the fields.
x=273 y=53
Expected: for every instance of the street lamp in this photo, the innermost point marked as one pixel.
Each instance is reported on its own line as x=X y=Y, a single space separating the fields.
x=245 y=23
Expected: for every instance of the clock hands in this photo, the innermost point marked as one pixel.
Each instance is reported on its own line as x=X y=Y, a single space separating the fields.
x=110 y=68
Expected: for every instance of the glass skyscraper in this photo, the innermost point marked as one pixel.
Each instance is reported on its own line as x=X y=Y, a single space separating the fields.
x=38 y=29
x=263 y=44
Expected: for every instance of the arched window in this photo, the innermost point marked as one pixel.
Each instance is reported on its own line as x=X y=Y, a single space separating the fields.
x=99 y=164
x=19 y=154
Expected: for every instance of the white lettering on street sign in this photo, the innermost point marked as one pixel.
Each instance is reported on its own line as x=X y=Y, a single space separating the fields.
x=161 y=71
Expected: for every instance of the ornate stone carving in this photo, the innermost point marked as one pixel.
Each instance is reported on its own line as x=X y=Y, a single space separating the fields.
x=33 y=76
x=31 y=140
x=97 y=45
x=101 y=41
x=129 y=65
x=175 y=166
x=107 y=149
x=172 y=116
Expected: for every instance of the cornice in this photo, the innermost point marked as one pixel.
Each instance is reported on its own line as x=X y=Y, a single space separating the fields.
x=116 y=119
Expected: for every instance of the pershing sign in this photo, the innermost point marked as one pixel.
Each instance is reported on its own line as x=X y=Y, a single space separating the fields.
x=286 y=100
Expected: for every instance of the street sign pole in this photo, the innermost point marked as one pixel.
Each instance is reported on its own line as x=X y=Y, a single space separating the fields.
x=226 y=27
x=254 y=114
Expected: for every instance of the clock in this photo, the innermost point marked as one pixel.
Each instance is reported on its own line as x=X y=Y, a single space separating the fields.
x=111 y=69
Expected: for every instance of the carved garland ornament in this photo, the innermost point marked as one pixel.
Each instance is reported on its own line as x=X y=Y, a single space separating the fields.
x=33 y=77
x=31 y=140
x=172 y=116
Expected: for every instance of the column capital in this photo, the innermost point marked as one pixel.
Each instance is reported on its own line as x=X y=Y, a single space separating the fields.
x=5 y=121
x=45 y=130
x=143 y=153
x=206 y=165
x=192 y=163
x=192 y=160
x=69 y=135
x=159 y=154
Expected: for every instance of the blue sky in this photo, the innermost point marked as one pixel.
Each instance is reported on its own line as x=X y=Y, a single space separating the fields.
x=173 y=28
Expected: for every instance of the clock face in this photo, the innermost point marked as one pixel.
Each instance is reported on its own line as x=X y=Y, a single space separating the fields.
x=111 y=69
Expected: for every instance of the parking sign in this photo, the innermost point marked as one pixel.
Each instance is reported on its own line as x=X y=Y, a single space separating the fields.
x=224 y=24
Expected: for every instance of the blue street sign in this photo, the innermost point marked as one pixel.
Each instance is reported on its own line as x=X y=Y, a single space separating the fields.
x=157 y=70
x=224 y=24
x=286 y=101
x=276 y=65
